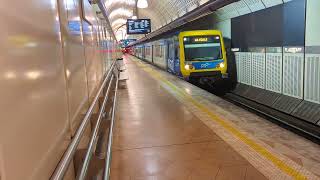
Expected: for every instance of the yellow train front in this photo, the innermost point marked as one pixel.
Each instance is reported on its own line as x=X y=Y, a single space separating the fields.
x=202 y=56
x=198 y=56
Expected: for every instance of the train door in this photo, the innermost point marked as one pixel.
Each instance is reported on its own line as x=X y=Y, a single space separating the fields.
x=166 y=57
x=177 y=69
x=173 y=60
x=165 y=53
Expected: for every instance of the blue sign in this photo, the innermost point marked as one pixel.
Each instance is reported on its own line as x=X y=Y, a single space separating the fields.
x=138 y=26
x=207 y=65
x=74 y=27
x=126 y=42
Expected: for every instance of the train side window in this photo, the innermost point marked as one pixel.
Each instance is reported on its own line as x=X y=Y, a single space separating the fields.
x=171 y=53
x=148 y=51
x=158 y=51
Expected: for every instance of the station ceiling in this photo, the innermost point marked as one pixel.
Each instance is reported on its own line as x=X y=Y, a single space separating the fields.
x=162 y=12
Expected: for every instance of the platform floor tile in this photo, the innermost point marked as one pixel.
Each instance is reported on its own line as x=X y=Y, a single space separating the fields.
x=160 y=135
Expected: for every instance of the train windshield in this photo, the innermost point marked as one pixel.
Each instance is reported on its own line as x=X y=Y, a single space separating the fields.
x=202 y=48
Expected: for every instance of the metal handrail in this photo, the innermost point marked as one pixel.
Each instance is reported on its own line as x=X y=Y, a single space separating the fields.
x=93 y=141
x=64 y=163
x=108 y=155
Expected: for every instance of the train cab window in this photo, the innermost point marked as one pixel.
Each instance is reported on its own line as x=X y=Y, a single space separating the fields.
x=202 y=48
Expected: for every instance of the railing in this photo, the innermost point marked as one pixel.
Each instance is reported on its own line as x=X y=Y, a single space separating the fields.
x=59 y=173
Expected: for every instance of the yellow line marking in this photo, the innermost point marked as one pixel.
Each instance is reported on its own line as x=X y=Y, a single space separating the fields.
x=251 y=143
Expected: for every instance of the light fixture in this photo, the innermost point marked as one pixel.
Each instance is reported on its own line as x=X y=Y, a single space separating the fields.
x=127 y=2
x=134 y=17
x=33 y=74
x=10 y=75
x=188 y=66
x=142 y=4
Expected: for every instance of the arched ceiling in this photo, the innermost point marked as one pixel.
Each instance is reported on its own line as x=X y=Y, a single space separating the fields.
x=161 y=12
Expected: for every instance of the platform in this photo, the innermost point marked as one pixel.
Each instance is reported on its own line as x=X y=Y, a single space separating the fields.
x=168 y=129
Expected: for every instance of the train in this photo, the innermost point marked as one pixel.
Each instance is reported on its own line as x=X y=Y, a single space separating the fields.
x=198 y=56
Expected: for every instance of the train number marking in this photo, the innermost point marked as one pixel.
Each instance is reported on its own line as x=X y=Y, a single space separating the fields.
x=204 y=65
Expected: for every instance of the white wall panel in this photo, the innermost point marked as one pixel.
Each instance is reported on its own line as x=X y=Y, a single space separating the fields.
x=312 y=78
x=227 y=12
x=293 y=74
x=238 y=64
x=245 y=67
x=258 y=61
x=313 y=23
x=274 y=72
x=225 y=28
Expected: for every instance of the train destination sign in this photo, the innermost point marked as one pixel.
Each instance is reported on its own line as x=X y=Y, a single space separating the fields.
x=138 y=26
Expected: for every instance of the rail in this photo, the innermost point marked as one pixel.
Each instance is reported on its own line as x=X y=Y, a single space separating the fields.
x=64 y=163
x=108 y=156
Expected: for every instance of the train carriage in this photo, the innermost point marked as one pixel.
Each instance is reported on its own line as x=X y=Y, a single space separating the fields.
x=198 y=56
x=202 y=56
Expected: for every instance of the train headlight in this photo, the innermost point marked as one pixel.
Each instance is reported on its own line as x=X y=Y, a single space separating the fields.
x=188 y=66
x=221 y=65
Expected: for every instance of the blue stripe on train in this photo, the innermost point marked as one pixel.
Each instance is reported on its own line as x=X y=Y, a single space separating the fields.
x=206 y=64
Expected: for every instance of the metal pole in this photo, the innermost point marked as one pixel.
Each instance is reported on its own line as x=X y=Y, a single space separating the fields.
x=68 y=155
x=93 y=139
x=108 y=158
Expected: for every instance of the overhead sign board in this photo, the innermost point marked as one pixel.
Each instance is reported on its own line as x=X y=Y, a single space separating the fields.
x=138 y=26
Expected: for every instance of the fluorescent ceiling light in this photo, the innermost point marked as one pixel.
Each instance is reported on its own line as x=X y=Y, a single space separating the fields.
x=127 y=2
x=120 y=12
x=142 y=4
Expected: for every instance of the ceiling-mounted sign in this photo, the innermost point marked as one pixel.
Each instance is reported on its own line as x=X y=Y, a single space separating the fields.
x=138 y=26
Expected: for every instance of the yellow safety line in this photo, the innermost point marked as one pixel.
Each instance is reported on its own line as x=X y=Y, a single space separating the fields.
x=251 y=143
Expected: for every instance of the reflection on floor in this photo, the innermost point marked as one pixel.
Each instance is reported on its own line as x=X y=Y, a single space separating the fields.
x=161 y=135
